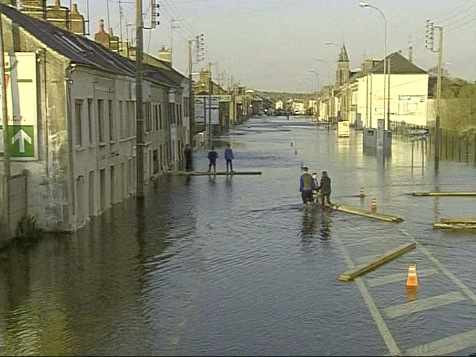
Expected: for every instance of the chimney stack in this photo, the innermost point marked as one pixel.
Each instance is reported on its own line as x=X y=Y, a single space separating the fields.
x=77 y=21
x=58 y=15
x=33 y=8
x=102 y=36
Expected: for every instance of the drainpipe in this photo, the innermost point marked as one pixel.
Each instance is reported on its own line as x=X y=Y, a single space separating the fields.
x=6 y=156
x=68 y=111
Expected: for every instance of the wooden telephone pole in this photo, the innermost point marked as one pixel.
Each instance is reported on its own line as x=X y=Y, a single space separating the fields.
x=190 y=92
x=139 y=100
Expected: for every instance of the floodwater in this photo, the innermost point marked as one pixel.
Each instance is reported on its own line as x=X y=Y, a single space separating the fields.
x=235 y=265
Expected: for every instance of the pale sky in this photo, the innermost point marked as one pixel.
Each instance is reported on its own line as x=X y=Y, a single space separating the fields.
x=273 y=44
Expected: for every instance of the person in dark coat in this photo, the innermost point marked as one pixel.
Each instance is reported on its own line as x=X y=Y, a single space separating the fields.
x=325 y=189
x=188 y=153
x=229 y=158
x=306 y=186
x=212 y=158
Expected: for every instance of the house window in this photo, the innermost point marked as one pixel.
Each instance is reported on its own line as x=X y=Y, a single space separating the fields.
x=101 y=120
x=155 y=156
x=156 y=117
x=90 y=122
x=78 y=109
x=186 y=106
x=160 y=116
x=122 y=128
x=130 y=118
x=147 y=117
x=172 y=113
x=111 y=120
x=134 y=122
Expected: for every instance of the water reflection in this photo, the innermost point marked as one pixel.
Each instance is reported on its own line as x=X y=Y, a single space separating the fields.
x=315 y=219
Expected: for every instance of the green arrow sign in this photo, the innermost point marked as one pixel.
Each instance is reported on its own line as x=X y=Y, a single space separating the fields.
x=21 y=140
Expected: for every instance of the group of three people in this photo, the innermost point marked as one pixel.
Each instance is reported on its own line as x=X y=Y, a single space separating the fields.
x=309 y=185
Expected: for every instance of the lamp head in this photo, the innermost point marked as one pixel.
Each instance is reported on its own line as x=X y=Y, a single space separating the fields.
x=363 y=4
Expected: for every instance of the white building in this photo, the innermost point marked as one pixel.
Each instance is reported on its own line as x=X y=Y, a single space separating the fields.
x=279 y=105
x=358 y=96
x=408 y=94
x=298 y=108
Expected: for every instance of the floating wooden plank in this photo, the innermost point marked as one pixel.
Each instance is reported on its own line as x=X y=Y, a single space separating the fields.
x=387 y=257
x=218 y=173
x=444 y=194
x=454 y=226
x=458 y=220
x=363 y=213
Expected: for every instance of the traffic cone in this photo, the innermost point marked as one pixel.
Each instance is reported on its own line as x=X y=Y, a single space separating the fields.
x=412 y=279
x=373 y=205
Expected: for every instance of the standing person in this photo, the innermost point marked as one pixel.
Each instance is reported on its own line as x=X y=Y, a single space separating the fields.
x=187 y=153
x=306 y=186
x=212 y=157
x=229 y=158
x=325 y=189
x=315 y=182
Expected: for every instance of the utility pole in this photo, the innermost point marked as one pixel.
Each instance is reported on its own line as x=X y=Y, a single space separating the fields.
x=6 y=154
x=438 y=100
x=139 y=101
x=429 y=44
x=191 y=113
x=210 y=90
x=388 y=92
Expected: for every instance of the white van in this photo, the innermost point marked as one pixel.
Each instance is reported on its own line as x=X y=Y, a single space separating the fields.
x=343 y=129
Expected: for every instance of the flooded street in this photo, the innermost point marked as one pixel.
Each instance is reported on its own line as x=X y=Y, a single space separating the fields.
x=235 y=265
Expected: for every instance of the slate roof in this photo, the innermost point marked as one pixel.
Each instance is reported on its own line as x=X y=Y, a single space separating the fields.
x=81 y=50
x=398 y=65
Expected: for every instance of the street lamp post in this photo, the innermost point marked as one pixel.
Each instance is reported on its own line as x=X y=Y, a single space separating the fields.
x=386 y=110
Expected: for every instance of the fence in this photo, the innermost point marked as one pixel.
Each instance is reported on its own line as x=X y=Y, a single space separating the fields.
x=456 y=145
x=18 y=204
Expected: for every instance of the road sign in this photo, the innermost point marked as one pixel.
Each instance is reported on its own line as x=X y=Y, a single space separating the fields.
x=21 y=140
x=21 y=83
x=202 y=105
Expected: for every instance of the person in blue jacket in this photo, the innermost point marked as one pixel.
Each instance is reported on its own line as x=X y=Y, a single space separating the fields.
x=212 y=157
x=229 y=158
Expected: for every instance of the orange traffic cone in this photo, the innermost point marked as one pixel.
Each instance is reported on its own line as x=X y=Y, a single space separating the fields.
x=373 y=205
x=412 y=279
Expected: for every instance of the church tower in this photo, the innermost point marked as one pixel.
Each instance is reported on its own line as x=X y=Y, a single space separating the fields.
x=343 y=67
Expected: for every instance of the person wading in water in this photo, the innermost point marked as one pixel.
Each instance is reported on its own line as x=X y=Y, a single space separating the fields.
x=306 y=186
x=325 y=189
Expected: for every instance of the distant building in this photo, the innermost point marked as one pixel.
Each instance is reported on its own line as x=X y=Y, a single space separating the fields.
x=279 y=105
x=358 y=96
x=298 y=108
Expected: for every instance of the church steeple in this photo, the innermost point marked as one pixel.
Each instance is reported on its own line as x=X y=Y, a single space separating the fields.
x=343 y=67
x=343 y=57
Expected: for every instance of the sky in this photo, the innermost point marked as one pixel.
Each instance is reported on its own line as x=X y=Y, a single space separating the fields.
x=276 y=44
